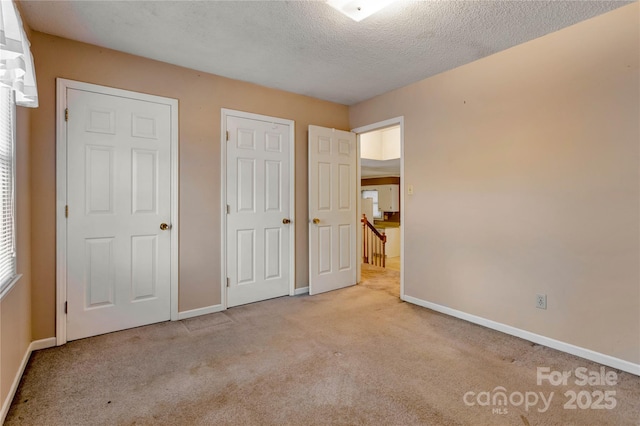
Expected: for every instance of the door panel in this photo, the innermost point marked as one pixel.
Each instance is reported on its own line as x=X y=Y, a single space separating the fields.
x=118 y=193
x=344 y=187
x=324 y=250
x=345 y=247
x=332 y=203
x=324 y=183
x=144 y=192
x=143 y=261
x=246 y=185
x=100 y=179
x=273 y=256
x=273 y=183
x=258 y=198
x=100 y=269
x=246 y=256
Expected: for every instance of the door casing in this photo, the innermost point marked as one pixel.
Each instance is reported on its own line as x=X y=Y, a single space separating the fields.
x=224 y=113
x=61 y=193
x=397 y=121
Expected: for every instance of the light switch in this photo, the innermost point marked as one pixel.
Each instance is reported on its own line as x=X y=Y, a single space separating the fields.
x=410 y=189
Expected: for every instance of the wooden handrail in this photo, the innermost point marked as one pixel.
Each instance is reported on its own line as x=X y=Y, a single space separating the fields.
x=377 y=247
x=373 y=228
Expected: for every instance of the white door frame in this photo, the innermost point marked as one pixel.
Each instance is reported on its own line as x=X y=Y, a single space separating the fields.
x=224 y=113
x=397 y=121
x=61 y=192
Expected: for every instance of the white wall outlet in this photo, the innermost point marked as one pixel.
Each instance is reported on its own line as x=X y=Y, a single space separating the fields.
x=409 y=189
x=541 y=301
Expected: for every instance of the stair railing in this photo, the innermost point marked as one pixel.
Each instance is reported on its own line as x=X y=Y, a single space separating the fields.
x=373 y=244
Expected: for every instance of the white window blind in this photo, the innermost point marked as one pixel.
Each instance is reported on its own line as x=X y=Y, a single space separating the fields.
x=7 y=225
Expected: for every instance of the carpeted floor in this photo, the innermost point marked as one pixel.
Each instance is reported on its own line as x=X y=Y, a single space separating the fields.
x=352 y=356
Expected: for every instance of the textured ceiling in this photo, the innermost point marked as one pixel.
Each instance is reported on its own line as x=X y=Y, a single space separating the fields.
x=308 y=47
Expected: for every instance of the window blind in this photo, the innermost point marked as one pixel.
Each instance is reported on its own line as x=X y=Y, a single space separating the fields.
x=7 y=210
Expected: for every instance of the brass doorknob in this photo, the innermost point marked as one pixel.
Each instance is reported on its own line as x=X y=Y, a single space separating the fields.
x=164 y=226
x=286 y=221
x=316 y=220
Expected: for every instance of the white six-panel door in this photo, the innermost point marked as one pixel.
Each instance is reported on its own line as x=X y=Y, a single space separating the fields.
x=332 y=209
x=119 y=194
x=258 y=210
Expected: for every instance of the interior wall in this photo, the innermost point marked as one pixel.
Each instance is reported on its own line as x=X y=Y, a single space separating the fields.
x=15 y=306
x=391 y=144
x=381 y=144
x=371 y=145
x=201 y=96
x=525 y=172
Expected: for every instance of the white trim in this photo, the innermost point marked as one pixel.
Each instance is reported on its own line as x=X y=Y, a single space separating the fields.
x=223 y=207
x=174 y=105
x=61 y=192
x=301 y=290
x=6 y=404
x=37 y=345
x=10 y=286
x=34 y=346
x=61 y=201
x=598 y=357
x=360 y=234
x=200 y=311
x=224 y=113
x=396 y=121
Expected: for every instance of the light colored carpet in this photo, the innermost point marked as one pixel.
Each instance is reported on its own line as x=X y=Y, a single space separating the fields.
x=352 y=356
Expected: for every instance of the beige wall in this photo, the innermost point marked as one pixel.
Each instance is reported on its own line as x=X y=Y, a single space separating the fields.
x=201 y=96
x=15 y=307
x=525 y=169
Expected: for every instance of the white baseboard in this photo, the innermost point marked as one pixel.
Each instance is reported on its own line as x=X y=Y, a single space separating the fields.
x=598 y=357
x=34 y=346
x=42 y=344
x=301 y=290
x=200 y=311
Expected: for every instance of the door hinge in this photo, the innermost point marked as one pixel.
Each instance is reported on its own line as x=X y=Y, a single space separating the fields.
x=227 y=136
x=66 y=305
x=66 y=211
x=228 y=209
x=228 y=282
x=66 y=114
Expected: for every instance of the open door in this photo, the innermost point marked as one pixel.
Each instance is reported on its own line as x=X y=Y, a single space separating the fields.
x=332 y=209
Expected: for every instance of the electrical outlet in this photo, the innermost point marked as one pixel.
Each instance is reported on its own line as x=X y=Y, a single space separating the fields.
x=541 y=301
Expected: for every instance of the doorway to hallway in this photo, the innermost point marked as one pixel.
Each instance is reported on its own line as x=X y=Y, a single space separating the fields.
x=381 y=198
